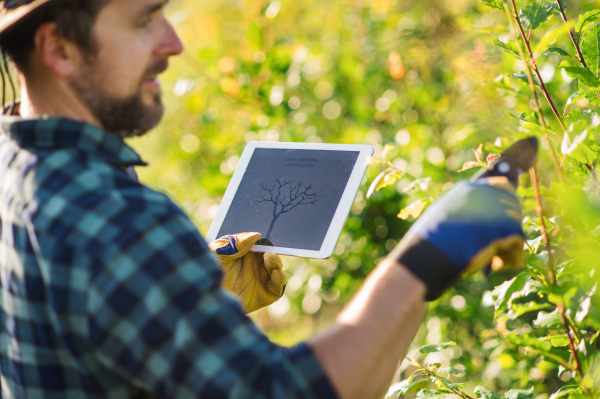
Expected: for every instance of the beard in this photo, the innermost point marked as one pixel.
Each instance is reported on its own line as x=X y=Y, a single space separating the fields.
x=124 y=117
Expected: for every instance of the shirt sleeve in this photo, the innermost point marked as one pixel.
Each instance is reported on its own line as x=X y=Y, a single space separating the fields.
x=159 y=318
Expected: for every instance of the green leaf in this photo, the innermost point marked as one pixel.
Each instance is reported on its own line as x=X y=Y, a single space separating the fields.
x=582 y=74
x=523 y=76
x=568 y=63
x=405 y=386
x=554 y=50
x=394 y=388
x=416 y=386
x=559 y=356
x=426 y=394
x=529 y=116
x=535 y=244
x=517 y=310
x=528 y=340
x=497 y=4
x=549 y=320
x=446 y=383
x=508 y=47
x=590 y=48
x=590 y=364
x=578 y=115
x=557 y=341
x=484 y=393
x=415 y=209
x=384 y=179
x=519 y=394
x=535 y=14
x=587 y=19
x=554 y=7
x=584 y=154
x=436 y=347
x=592 y=96
x=566 y=390
x=502 y=294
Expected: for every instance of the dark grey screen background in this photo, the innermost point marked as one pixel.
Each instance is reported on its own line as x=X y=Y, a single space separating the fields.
x=303 y=226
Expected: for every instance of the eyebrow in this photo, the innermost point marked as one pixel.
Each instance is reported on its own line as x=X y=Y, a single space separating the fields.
x=152 y=8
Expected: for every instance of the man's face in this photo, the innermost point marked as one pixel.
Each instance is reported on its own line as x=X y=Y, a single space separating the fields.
x=119 y=83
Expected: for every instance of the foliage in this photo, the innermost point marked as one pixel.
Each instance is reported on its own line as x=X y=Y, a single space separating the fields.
x=560 y=281
x=425 y=83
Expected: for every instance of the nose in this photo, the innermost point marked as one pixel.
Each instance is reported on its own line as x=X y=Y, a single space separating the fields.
x=170 y=44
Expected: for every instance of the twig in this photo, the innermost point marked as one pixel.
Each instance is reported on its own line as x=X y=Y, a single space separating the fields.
x=580 y=59
x=573 y=347
x=552 y=276
x=575 y=42
x=431 y=373
x=532 y=87
x=535 y=68
x=538 y=198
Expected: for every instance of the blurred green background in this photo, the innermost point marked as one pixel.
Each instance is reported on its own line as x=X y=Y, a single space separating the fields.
x=414 y=74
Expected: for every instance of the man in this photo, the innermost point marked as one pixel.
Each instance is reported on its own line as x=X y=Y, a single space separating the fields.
x=107 y=290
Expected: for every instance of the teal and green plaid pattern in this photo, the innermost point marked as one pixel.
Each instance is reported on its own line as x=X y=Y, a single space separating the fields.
x=107 y=289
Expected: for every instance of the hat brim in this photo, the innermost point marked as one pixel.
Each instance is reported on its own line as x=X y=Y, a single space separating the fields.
x=10 y=17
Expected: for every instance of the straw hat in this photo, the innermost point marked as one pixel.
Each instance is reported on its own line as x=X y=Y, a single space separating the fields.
x=9 y=16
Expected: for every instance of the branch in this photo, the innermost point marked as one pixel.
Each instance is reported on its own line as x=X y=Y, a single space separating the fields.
x=535 y=68
x=534 y=182
x=573 y=347
x=311 y=198
x=263 y=199
x=575 y=42
x=432 y=373
x=552 y=277
x=532 y=87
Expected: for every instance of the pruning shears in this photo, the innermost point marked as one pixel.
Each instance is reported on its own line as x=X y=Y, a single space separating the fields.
x=517 y=159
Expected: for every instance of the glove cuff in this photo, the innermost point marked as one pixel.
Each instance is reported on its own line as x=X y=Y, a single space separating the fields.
x=426 y=262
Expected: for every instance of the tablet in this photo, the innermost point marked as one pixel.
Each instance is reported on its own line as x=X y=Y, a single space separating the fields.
x=297 y=195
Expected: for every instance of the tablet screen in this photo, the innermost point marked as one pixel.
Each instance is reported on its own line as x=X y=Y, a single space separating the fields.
x=290 y=196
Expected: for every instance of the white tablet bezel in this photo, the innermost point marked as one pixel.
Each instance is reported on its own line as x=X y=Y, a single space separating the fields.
x=341 y=213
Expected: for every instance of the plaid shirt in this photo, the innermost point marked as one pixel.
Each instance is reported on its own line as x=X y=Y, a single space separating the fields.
x=107 y=289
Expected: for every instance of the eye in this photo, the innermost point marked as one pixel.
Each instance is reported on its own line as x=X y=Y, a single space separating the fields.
x=145 y=22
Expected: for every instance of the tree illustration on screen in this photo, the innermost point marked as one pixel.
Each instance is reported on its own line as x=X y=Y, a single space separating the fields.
x=286 y=195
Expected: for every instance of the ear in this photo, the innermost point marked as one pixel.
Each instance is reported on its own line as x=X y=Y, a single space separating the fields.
x=60 y=55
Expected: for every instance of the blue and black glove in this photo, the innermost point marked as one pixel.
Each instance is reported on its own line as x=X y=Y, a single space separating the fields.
x=474 y=225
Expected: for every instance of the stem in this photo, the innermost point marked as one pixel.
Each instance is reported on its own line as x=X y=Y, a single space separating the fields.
x=552 y=277
x=575 y=42
x=573 y=347
x=576 y=330
x=538 y=198
x=535 y=68
x=431 y=373
x=532 y=87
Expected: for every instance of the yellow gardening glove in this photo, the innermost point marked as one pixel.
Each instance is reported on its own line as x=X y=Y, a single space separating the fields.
x=256 y=278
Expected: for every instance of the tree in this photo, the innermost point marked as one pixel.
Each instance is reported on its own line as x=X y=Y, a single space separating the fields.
x=294 y=195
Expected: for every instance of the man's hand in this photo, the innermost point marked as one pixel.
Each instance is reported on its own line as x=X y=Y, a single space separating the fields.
x=256 y=278
x=476 y=223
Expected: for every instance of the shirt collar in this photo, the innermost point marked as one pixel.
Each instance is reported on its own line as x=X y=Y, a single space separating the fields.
x=55 y=133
